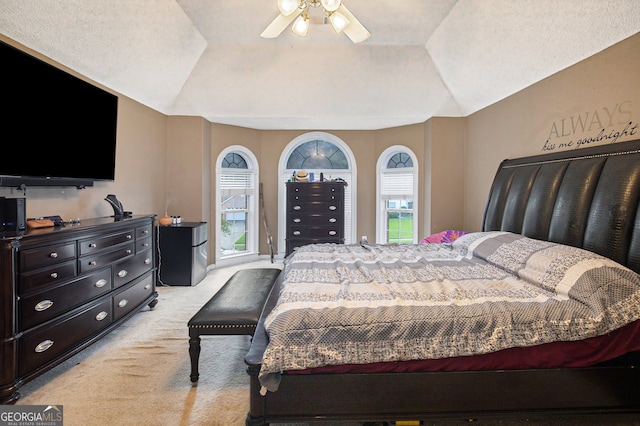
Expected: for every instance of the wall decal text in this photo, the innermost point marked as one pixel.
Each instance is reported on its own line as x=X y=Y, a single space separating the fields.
x=610 y=123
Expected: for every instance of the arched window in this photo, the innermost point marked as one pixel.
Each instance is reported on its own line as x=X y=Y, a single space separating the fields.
x=318 y=153
x=236 y=195
x=397 y=196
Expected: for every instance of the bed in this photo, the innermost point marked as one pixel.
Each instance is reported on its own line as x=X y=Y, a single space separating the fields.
x=550 y=285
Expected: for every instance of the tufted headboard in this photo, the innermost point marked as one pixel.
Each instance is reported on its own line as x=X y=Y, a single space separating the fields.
x=585 y=197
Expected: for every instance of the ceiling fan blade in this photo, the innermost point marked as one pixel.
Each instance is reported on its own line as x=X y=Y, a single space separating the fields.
x=355 y=30
x=278 y=25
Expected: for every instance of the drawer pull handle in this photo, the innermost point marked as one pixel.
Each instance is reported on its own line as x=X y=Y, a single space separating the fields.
x=44 y=345
x=53 y=255
x=333 y=208
x=128 y=251
x=147 y=261
x=147 y=287
x=145 y=244
x=145 y=231
x=297 y=232
x=102 y=315
x=43 y=305
x=101 y=283
x=129 y=236
x=123 y=303
x=333 y=220
x=93 y=245
x=92 y=263
x=297 y=220
x=53 y=275
x=332 y=233
x=297 y=207
x=122 y=273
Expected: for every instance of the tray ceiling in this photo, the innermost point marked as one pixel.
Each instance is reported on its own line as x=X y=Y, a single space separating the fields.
x=424 y=58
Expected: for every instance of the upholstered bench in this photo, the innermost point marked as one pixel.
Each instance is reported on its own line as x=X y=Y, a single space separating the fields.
x=233 y=310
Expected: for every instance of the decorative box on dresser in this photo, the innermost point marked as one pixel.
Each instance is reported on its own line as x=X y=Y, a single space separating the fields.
x=63 y=288
x=315 y=213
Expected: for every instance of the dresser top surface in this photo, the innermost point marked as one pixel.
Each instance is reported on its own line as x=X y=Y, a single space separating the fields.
x=83 y=225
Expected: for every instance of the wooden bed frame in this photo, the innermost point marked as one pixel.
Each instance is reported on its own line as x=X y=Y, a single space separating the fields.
x=588 y=198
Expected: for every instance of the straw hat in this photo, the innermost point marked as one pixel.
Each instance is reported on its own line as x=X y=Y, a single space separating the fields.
x=302 y=176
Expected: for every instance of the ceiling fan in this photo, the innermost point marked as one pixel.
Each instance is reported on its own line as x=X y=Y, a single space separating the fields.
x=341 y=19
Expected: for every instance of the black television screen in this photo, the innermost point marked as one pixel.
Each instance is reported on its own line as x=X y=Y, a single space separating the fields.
x=57 y=129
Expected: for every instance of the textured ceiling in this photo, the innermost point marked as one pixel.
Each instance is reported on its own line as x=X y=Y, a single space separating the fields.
x=424 y=58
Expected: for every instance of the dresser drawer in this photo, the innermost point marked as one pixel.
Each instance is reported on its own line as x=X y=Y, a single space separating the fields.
x=144 y=231
x=315 y=220
x=130 y=297
x=143 y=244
x=45 y=305
x=296 y=195
x=314 y=232
x=41 y=257
x=314 y=190
x=99 y=260
x=38 y=348
x=51 y=276
x=315 y=207
x=99 y=243
x=124 y=272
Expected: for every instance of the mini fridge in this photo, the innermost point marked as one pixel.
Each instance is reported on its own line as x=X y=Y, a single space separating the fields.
x=182 y=253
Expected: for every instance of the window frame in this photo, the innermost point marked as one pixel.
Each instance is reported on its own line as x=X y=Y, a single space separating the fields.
x=253 y=236
x=381 y=205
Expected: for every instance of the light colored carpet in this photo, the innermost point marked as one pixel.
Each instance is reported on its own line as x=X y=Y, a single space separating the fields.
x=139 y=373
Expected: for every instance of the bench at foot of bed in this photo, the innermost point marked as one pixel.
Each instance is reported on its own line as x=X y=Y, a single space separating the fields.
x=233 y=310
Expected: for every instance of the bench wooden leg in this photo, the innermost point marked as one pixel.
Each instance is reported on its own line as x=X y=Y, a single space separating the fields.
x=194 y=353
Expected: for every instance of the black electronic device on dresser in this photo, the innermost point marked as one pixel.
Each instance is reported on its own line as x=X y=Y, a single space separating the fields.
x=63 y=288
x=12 y=214
x=315 y=213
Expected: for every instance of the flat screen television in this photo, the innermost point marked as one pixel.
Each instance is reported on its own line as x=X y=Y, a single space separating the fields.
x=57 y=129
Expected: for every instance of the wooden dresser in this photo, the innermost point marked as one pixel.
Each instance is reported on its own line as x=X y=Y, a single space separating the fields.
x=315 y=213
x=63 y=288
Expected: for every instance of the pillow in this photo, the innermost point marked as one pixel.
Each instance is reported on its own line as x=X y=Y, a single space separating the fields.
x=447 y=236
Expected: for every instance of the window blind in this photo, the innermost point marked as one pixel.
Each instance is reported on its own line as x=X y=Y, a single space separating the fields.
x=237 y=182
x=397 y=184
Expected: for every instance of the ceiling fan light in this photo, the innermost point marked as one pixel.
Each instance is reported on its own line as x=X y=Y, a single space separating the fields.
x=338 y=21
x=287 y=7
x=301 y=25
x=331 y=5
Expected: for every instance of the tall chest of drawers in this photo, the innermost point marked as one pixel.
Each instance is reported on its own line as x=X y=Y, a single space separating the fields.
x=62 y=289
x=315 y=214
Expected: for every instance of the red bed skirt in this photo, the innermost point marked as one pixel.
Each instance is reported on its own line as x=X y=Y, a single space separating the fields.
x=582 y=353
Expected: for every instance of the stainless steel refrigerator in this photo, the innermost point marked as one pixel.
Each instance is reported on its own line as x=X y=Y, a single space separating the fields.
x=182 y=253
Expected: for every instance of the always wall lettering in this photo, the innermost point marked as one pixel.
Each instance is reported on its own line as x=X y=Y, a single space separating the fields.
x=607 y=124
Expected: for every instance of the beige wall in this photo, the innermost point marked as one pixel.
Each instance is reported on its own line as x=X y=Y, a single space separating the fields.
x=366 y=146
x=443 y=182
x=602 y=90
x=188 y=168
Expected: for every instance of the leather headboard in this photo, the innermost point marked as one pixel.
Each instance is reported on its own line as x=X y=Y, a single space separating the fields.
x=585 y=197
